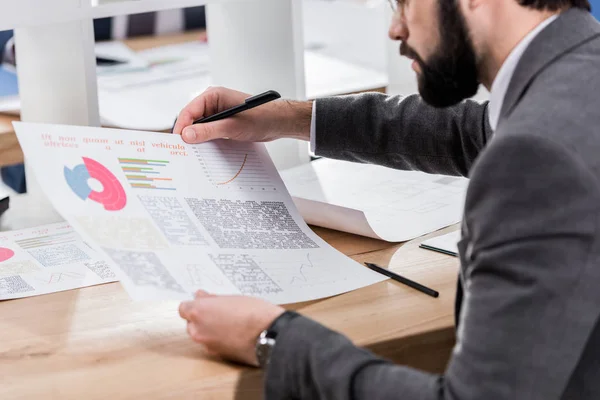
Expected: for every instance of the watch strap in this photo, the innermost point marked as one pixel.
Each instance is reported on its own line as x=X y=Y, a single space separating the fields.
x=280 y=322
x=267 y=339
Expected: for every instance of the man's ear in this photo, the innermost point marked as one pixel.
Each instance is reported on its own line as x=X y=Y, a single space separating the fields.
x=471 y=5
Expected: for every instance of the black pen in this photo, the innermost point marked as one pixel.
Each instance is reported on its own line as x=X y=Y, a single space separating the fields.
x=249 y=103
x=104 y=61
x=402 y=279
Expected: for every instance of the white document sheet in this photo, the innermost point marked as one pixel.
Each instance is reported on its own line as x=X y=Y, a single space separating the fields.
x=328 y=76
x=447 y=243
x=48 y=259
x=176 y=218
x=375 y=201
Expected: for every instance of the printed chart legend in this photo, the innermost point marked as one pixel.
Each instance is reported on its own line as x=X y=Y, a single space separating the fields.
x=47 y=240
x=146 y=174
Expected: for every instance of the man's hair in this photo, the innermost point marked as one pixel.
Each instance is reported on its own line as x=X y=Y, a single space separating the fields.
x=555 y=5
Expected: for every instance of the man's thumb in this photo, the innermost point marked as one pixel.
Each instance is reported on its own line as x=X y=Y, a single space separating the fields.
x=189 y=135
x=199 y=133
x=202 y=294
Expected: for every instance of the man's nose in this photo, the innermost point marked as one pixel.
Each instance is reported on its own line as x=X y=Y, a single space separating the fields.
x=398 y=30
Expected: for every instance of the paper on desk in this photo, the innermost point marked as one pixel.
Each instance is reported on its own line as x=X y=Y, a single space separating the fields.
x=328 y=76
x=375 y=201
x=119 y=51
x=151 y=99
x=176 y=217
x=48 y=259
x=447 y=243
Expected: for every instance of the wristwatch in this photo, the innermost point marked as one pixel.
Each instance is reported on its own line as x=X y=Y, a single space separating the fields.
x=266 y=340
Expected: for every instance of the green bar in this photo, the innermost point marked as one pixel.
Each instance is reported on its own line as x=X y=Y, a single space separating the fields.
x=140 y=160
x=138 y=168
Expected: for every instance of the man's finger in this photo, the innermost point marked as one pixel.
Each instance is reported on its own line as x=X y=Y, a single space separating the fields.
x=202 y=294
x=185 y=310
x=192 y=330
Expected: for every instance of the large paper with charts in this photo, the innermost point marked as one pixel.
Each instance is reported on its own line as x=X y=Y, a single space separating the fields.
x=48 y=259
x=375 y=201
x=176 y=217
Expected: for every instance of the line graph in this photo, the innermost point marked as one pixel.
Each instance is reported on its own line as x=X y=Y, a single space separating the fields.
x=301 y=277
x=57 y=277
x=231 y=168
x=199 y=276
x=237 y=174
x=301 y=270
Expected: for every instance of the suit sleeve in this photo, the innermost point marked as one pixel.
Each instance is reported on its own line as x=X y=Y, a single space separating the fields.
x=530 y=300
x=401 y=132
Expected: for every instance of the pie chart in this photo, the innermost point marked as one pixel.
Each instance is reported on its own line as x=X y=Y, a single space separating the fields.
x=112 y=196
x=6 y=254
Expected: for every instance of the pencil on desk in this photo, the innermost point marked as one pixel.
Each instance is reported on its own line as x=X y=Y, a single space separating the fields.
x=401 y=279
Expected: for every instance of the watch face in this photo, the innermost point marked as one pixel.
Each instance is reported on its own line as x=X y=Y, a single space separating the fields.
x=264 y=346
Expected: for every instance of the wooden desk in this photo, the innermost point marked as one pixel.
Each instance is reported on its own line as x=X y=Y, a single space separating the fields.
x=10 y=151
x=95 y=343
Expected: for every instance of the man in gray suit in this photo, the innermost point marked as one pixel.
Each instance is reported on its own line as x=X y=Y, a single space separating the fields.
x=528 y=324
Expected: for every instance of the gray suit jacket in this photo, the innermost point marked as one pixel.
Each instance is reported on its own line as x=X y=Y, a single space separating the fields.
x=529 y=324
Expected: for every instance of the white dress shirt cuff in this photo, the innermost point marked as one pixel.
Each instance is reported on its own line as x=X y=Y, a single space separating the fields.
x=313 y=128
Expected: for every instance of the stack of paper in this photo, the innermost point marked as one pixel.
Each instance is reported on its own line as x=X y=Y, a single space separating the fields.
x=151 y=98
x=176 y=217
x=375 y=201
x=119 y=51
x=329 y=76
x=148 y=91
x=48 y=259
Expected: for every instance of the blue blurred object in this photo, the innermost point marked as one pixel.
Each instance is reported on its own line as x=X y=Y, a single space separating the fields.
x=8 y=83
x=595 y=8
x=14 y=177
x=4 y=38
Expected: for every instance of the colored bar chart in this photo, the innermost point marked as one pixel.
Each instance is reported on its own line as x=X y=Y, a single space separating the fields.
x=146 y=174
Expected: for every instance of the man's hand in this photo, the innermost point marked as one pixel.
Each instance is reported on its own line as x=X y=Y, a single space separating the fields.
x=275 y=120
x=228 y=326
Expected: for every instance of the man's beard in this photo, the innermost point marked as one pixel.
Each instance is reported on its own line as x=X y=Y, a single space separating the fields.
x=450 y=74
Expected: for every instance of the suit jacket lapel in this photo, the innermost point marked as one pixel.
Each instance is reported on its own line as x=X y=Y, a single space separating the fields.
x=571 y=29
